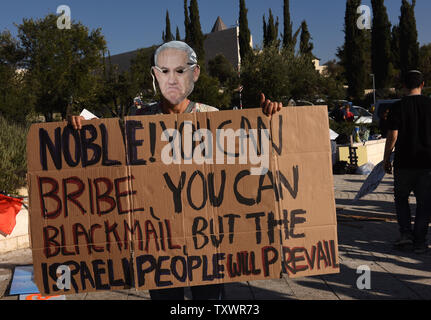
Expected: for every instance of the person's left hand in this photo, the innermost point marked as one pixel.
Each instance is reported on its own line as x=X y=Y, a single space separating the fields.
x=269 y=107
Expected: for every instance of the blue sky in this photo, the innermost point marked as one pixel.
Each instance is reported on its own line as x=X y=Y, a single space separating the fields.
x=131 y=24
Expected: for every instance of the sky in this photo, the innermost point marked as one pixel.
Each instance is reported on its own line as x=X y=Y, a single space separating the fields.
x=131 y=24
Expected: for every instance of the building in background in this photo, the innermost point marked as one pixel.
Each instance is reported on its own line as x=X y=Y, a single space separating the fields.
x=221 y=40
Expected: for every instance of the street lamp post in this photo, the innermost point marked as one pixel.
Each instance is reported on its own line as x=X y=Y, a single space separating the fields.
x=374 y=88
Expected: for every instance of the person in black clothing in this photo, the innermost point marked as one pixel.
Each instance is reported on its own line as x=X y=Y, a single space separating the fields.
x=383 y=123
x=409 y=132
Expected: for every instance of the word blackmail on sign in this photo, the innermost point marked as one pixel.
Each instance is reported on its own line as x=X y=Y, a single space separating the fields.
x=167 y=201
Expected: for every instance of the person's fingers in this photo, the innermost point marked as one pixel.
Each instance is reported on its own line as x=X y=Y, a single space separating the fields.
x=270 y=109
x=262 y=99
x=75 y=122
x=280 y=106
x=275 y=108
x=72 y=121
x=79 y=122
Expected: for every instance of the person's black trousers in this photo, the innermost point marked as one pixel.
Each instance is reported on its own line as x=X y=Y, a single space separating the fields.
x=418 y=181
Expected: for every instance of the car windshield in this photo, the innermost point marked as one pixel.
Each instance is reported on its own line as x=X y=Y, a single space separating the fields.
x=355 y=112
x=361 y=112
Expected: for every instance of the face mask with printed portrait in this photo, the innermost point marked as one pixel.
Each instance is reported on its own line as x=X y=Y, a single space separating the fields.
x=175 y=76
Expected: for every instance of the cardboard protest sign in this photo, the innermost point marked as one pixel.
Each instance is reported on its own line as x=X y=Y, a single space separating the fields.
x=156 y=202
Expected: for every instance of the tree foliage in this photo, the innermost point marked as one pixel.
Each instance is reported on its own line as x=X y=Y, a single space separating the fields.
x=270 y=31
x=61 y=64
x=408 y=38
x=425 y=63
x=352 y=55
x=282 y=76
x=167 y=34
x=178 y=35
x=244 y=31
x=16 y=98
x=305 y=45
x=288 y=40
x=13 y=164
x=196 y=40
x=381 y=45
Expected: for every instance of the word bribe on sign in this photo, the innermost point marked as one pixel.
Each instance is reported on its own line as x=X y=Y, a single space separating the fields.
x=135 y=204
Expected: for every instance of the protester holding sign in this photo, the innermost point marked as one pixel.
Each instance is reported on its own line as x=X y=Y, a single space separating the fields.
x=176 y=70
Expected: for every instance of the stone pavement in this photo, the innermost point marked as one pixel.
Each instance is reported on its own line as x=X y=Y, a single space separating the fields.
x=365 y=230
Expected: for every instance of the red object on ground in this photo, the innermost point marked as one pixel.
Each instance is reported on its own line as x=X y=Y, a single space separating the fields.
x=9 y=208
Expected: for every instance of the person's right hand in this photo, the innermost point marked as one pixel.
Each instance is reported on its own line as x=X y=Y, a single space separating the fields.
x=75 y=122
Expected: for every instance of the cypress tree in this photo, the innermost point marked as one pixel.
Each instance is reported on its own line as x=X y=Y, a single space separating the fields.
x=178 y=36
x=395 y=47
x=353 y=56
x=305 y=46
x=196 y=35
x=288 y=27
x=244 y=31
x=186 y=22
x=409 y=45
x=167 y=35
x=270 y=31
x=381 y=44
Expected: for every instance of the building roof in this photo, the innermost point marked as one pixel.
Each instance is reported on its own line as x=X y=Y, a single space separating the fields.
x=219 y=25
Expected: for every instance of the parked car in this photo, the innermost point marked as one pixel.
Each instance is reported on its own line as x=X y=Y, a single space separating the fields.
x=362 y=115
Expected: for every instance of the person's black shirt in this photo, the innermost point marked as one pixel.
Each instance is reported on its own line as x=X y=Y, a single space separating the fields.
x=412 y=118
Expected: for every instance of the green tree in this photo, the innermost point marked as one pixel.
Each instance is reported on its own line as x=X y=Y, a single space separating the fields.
x=13 y=164
x=207 y=90
x=282 y=75
x=16 y=98
x=425 y=62
x=186 y=22
x=244 y=31
x=270 y=31
x=408 y=35
x=140 y=70
x=266 y=72
x=381 y=45
x=395 y=47
x=222 y=69
x=167 y=35
x=178 y=36
x=305 y=46
x=288 y=41
x=352 y=54
x=61 y=64
x=196 y=35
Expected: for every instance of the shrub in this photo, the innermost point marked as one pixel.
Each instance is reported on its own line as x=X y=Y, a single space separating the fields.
x=13 y=162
